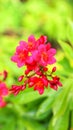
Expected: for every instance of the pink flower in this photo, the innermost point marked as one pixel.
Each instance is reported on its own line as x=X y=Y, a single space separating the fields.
x=39 y=83
x=35 y=54
x=41 y=40
x=44 y=55
x=34 y=51
x=31 y=43
x=2 y=102
x=3 y=89
x=3 y=92
x=47 y=55
x=22 y=55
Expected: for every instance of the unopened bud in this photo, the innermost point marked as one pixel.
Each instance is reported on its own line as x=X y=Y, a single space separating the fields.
x=45 y=68
x=20 y=78
x=5 y=74
x=26 y=72
x=54 y=69
x=23 y=87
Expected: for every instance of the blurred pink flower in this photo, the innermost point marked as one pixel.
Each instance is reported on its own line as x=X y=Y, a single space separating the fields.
x=3 y=92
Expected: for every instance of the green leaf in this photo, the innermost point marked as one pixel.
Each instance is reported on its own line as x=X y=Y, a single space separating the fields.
x=33 y=125
x=72 y=119
x=46 y=105
x=66 y=65
x=20 y=124
x=8 y=123
x=68 y=51
x=61 y=124
x=70 y=31
x=62 y=101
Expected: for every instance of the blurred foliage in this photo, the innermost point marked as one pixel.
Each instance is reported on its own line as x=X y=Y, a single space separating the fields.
x=19 y=19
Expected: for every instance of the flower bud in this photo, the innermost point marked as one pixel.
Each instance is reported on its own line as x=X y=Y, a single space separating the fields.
x=20 y=78
x=5 y=74
x=23 y=87
x=45 y=69
x=54 y=69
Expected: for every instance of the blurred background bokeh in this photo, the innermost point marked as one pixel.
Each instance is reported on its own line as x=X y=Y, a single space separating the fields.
x=53 y=18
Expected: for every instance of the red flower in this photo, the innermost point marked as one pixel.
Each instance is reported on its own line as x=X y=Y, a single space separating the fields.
x=42 y=40
x=16 y=89
x=33 y=67
x=38 y=83
x=55 y=83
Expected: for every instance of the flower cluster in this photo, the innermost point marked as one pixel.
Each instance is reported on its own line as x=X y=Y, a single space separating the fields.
x=36 y=55
x=3 y=88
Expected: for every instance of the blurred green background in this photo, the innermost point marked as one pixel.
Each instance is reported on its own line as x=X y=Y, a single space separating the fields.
x=53 y=18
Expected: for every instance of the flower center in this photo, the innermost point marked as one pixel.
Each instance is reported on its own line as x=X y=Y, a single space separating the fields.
x=39 y=83
x=22 y=56
x=30 y=44
x=44 y=56
x=29 y=54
